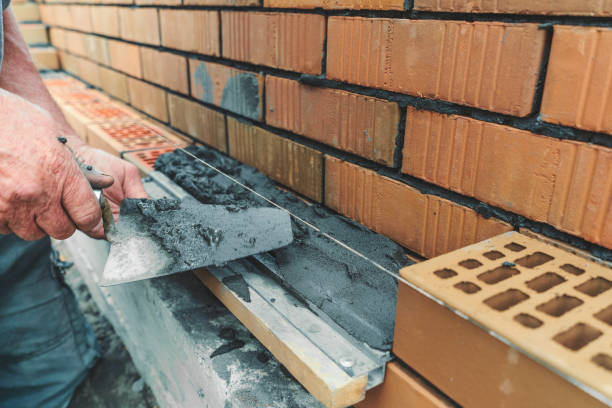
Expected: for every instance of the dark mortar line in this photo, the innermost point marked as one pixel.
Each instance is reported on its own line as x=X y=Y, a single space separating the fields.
x=323 y=172
x=324 y=56
x=539 y=90
x=425 y=381
x=264 y=90
x=227 y=143
x=599 y=21
x=399 y=139
x=408 y=5
x=532 y=123
x=220 y=30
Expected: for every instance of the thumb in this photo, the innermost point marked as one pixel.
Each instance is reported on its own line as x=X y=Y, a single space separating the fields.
x=95 y=178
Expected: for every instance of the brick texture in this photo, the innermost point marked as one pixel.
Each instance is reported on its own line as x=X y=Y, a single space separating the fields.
x=114 y=83
x=563 y=7
x=426 y=224
x=563 y=183
x=148 y=98
x=206 y=125
x=190 y=30
x=125 y=57
x=75 y=43
x=280 y=40
x=579 y=79
x=166 y=69
x=90 y=72
x=338 y=4
x=492 y=66
x=233 y=89
x=140 y=24
x=26 y=12
x=358 y=124
x=221 y=2
x=96 y=48
x=291 y=164
x=105 y=20
x=81 y=18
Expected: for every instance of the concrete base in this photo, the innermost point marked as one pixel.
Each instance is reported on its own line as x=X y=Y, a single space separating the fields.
x=171 y=325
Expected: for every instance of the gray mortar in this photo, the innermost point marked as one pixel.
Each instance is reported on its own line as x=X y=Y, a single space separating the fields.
x=241 y=95
x=349 y=290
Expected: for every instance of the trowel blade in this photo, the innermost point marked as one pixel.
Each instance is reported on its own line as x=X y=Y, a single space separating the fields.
x=153 y=240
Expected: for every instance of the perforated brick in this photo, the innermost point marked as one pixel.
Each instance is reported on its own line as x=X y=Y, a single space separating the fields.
x=532 y=297
x=116 y=138
x=145 y=159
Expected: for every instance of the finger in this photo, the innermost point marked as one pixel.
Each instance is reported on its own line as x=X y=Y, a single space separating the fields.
x=97 y=232
x=95 y=178
x=132 y=185
x=56 y=223
x=26 y=230
x=80 y=202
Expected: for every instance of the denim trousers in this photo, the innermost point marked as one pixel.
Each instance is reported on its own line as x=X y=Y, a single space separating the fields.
x=46 y=344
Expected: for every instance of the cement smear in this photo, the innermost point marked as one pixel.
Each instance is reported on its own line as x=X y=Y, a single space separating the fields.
x=351 y=291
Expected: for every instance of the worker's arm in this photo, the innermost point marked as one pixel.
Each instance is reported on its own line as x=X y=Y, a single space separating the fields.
x=42 y=190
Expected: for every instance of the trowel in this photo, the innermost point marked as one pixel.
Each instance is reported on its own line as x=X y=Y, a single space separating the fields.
x=161 y=237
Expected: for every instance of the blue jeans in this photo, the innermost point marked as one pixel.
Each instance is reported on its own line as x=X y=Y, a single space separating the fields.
x=46 y=344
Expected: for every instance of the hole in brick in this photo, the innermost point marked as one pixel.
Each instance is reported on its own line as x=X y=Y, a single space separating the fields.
x=498 y=274
x=544 y=282
x=572 y=269
x=603 y=360
x=594 y=286
x=528 y=320
x=559 y=305
x=514 y=247
x=470 y=263
x=445 y=273
x=605 y=315
x=533 y=260
x=467 y=287
x=493 y=255
x=505 y=300
x=577 y=336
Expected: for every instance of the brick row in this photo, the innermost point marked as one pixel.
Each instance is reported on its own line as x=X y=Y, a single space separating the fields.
x=190 y=30
x=291 y=164
x=561 y=7
x=139 y=25
x=338 y=4
x=427 y=224
x=233 y=89
x=164 y=68
x=358 y=124
x=148 y=98
x=563 y=183
x=495 y=68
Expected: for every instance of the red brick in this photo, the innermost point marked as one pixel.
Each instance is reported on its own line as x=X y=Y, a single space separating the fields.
x=25 y=12
x=148 y=98
x=358 y=124
x=190 y=30
x=69 y=63
x=90 y=72
x=221 y=2
x=75 y=43
x=45 y=58
x=291 y=164
x=338 y=4
x=114 y=83
x=492 y=66
x=202 y=123
x=47 y=14
x=427 y=224
x=563 y=183
x=105 y=20
x=125 y=57
x=140 y=25
x=96 y=48
x=160 y=2
x=166 y=69
x=233 y=89
x=80 y=18
x=279 y=40
x=563 y=7
x=57 y=37
x=579 y=79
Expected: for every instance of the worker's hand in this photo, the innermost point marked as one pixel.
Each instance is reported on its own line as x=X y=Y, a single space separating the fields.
x=42 y=190
x=127 y=179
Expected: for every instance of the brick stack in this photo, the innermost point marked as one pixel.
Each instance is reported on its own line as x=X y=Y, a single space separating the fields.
x=35 y=34
x=437 y=123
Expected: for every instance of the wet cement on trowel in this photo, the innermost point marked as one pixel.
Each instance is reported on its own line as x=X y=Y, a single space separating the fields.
x=351 y=291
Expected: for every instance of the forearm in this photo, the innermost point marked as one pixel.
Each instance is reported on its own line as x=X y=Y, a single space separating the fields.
x=19 y=76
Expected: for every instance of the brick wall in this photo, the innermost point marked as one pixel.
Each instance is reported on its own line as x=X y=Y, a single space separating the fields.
x=436 y=122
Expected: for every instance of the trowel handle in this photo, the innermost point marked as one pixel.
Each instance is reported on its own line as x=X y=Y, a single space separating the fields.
x=107 y=214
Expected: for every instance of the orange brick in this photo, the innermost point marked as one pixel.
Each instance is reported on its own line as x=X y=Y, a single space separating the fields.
x=114 y=83
x=125 y=57
x=148 y=98
x=358 y=124
x=160 y=2
x=563 y=7
x=75 y=43
x=140 y=25
x=560 y=182
x=45 y=58
x=401 y=388
x=291 y=164
x=25 y=12
x=57 y=36
x=105 y=20
x=90 y=72
x=47 y=14
x=190 y=30
x=233 y=89
x=492 y=66
x=202 y=123
x=96 y=48
x=69 y=63
x=221 y=2
x=279 y=40
x=338 y=4
x=579 y=81
x=427 y=224
x=164 y=68
x=81 y=18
